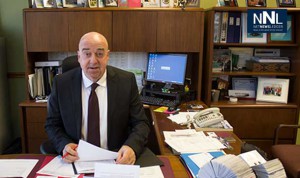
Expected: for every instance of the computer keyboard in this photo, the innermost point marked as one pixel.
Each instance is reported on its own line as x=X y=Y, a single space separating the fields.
x=157 y=101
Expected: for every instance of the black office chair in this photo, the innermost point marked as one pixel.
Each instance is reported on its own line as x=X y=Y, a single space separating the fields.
x=68 y=63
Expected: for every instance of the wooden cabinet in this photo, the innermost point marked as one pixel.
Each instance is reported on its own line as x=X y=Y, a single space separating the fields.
x=81 y=22
x=33 y=117
x=180 y=31
x=254 y=121
x=134 y=31
x=46 y=31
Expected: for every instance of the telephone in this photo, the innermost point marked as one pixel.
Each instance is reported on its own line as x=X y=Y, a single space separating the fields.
x=208 y=117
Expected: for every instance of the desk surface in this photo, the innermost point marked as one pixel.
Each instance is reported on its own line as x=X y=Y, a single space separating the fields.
x=162 y=123
x=178 y=169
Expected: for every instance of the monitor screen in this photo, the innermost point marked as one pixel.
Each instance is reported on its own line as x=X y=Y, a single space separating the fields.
x=166 y=68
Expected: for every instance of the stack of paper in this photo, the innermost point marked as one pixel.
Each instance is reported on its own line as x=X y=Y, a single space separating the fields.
x=226 y=166
x=271 y=169
x=190 y=141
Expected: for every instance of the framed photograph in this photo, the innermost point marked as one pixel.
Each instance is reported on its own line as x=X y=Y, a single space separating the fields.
x=287 y=37
x=49 y=3
x=272 y=90
x=69 y=3
x=251 y=37
x=256 y=3
x=286 y=3
x=228 y=3
x=193 y=3
x=111 y=3
x=93 y=3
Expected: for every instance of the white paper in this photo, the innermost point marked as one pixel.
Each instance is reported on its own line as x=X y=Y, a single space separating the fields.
x=89 y=152
x=89 y=166
x=151 y=172
x=116 y=171
x=253 y=158
x=57 y=167
x=16 y=167
x=201 y=159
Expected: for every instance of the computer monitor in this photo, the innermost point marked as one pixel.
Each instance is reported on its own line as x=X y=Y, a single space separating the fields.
x=166 y=68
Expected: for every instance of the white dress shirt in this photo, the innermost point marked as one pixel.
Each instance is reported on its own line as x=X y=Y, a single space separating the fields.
x=101 y=92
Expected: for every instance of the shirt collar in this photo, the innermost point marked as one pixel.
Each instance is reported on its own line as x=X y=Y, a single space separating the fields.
x=87 y=82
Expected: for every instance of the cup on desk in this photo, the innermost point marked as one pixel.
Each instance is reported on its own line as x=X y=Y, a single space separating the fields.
x=215 y=95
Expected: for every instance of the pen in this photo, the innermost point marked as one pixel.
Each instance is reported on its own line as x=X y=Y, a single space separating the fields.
x=66 y=154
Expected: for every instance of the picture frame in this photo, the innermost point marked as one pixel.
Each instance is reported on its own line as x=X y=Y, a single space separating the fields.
x=287 y=37
x=49 y=3
x=286 y=3
x=272 y=90
x=256 y=3
x=193 y=3
x=228 y=3
x=111 y=3
x=251 y=37
x=93 y=3
x=69 y=3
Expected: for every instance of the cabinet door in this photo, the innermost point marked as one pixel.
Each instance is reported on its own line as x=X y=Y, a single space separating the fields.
x=134 y=31
x=260 y=123
x=87 y=21
x=179 y=31
x=46 y=31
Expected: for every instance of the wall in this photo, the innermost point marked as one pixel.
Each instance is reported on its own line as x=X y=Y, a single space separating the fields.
x=11 y=28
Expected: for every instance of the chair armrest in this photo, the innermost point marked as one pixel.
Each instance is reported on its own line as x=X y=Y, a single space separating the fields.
x=276 y=134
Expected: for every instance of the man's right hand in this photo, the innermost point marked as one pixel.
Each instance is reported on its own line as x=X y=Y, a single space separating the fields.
x=70 y=153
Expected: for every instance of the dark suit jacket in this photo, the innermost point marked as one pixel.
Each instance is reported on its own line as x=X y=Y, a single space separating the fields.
x=126 y=119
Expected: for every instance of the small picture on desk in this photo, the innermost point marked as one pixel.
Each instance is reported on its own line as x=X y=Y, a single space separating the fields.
x=111 y=3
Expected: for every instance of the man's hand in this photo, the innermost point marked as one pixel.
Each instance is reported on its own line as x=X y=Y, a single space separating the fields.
x=69 y=153
x=126 y=155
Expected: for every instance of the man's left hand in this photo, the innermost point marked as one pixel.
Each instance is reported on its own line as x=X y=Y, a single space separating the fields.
x=126 y=155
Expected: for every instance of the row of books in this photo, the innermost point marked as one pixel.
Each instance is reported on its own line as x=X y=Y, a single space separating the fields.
x=110 y=3
x=40 y=82
x=218 y=164
x=231 y=27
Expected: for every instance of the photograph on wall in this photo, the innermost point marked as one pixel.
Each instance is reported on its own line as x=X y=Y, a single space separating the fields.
x=256 y=3
x=272 y=90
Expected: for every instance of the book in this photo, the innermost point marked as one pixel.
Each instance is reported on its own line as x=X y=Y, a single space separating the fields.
x=230 y=27
x=191 y=160
x=47 y=63
x=223 y=31
x=217 y=27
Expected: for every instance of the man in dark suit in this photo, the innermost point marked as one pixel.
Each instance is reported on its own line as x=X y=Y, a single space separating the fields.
x=123 y=124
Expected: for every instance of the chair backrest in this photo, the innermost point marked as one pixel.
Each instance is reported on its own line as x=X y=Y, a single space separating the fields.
x=69 y=63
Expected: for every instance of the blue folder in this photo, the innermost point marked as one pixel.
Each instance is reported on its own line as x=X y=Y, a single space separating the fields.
x=194 y=169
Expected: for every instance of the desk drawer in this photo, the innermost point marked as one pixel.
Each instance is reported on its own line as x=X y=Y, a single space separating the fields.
x=36 y=114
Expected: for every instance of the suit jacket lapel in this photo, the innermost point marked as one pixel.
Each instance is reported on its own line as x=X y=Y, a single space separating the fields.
x=111 y=96
x=76 y=100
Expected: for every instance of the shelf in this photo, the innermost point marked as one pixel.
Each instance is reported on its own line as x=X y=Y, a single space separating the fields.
x=249 y=73
x=255 y=45
x=251 y=104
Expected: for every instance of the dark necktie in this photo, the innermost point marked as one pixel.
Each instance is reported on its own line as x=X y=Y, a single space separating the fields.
x=93 y=135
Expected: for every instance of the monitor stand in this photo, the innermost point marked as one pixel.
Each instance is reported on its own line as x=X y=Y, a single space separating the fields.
x=167 y=88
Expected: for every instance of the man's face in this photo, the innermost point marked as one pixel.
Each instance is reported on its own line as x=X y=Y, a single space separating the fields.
x=93 y=56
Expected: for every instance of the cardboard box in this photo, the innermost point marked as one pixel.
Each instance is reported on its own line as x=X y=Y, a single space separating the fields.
x=267 y=67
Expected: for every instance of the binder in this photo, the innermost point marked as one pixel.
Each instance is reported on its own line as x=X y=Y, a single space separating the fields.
x=230 y=27
x=237 y=27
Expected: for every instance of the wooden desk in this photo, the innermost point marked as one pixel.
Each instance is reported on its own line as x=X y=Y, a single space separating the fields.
x=162 y=123
x=178 y=169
